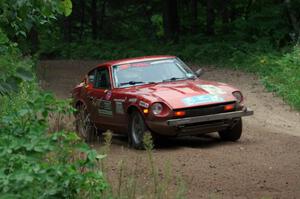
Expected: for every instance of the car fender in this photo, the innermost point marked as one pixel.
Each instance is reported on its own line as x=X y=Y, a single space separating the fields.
x=131 y=108
x=139 y=104
x=77 y=102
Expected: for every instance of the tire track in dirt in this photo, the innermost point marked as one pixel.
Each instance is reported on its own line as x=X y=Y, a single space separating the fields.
x=264 y=163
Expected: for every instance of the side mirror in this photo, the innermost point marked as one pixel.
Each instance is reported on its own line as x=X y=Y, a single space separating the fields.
x=86 y=83
x=199 y=72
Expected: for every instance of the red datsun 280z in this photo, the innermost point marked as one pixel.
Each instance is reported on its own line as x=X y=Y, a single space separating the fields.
x=160 y=95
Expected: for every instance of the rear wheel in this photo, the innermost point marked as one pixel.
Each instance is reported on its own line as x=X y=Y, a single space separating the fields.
x=233 y=133
x=137 y=130
x=84 y=126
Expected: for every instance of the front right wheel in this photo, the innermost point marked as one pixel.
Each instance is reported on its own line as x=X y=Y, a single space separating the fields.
x=233 y=133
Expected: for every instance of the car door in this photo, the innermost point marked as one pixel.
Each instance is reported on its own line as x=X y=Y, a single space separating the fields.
x=100 y=97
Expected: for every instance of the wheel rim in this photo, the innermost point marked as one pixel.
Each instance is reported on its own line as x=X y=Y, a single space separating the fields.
x=137 y=129
x=83 y=123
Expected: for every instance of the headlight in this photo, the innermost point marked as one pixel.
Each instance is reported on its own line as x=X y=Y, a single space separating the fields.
x=157 y=108
x=238 y=95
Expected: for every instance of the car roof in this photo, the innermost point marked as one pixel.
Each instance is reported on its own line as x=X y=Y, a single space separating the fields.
x=136 y=59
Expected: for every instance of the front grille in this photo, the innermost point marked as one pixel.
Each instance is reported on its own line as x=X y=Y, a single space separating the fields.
x=204 y=127
x=206 y=110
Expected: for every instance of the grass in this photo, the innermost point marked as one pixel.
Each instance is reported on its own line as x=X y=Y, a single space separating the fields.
x=139 y=178
x=133 y=178
x=279 y=72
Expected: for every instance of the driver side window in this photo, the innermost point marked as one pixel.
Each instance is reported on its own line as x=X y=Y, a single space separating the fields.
x=102 y=79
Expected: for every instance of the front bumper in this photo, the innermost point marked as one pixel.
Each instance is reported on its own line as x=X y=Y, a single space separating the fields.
x=198 y=124
x=208 y=118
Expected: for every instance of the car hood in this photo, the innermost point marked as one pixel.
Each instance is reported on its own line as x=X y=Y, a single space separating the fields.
x=186 y=93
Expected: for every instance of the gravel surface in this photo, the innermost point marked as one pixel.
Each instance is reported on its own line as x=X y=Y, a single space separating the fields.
x=265 y=163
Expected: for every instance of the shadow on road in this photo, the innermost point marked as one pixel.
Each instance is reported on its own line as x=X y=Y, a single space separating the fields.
x=166 y=143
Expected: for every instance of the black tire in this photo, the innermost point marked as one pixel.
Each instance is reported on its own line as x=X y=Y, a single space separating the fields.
x=84 y=126
x=137 y=129
x=233 y=133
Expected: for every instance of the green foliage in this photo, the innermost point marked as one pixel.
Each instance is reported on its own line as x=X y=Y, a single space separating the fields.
x=262 y=21
x=282 y=75
x=157 y=21
x=12 y=70
x=67 y=7
x=35 y=163
x=18 y=17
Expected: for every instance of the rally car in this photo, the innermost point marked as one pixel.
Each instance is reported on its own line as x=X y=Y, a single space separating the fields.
x=160 y=95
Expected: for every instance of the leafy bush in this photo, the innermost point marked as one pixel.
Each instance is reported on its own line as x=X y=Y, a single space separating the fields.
x=13 y=70
x=37 y=163
x=34 y=162
x=18 y=17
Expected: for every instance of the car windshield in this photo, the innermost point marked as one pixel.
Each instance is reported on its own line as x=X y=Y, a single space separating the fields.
x=149 y=72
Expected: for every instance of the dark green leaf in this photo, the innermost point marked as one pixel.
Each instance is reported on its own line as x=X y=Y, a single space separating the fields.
x=24 y=74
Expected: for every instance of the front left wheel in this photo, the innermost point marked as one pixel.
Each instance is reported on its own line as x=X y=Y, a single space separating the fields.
x=137 y=130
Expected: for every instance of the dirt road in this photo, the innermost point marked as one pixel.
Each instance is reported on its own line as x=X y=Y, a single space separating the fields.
x=264 y=163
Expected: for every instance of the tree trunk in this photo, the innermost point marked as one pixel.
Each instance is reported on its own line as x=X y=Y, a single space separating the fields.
x=225 y=15
x=101 y=18
x=194 y=15
x=171 y=20
x=82 y=16
x=210 y=17
x=248 y=8
x=34 y=40
x=232 y=12
x=67 y=29
x=94 y=17
x=294 y=21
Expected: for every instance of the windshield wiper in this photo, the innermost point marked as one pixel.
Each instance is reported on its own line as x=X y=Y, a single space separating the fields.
x=134 y=83
x=131 y=83
x=173 y=79
x=192 y=77
x=151 y=82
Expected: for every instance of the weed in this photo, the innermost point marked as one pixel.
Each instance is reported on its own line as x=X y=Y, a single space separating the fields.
x=137 y=181
x=148 y=143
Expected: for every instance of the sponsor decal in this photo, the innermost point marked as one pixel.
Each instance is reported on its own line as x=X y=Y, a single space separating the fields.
x=105 y=108
x=108 y=95
x=162 y=61
x=132 y=100
x=119 y=100
x=202 y=99
x=119 y=107
x=212 y=89
x=144 y=104
x=124 y=66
